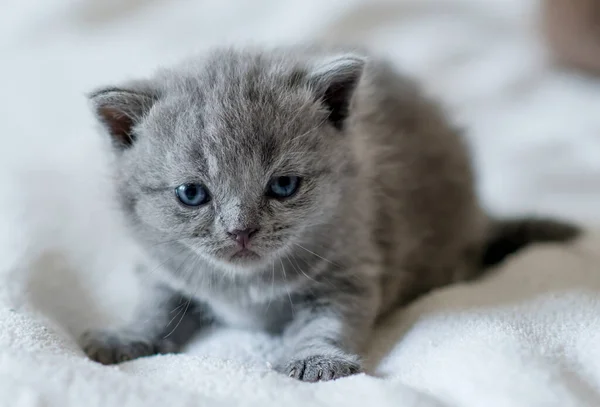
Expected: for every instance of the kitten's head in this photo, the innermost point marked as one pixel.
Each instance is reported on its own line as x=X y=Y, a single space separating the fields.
x=240 y=156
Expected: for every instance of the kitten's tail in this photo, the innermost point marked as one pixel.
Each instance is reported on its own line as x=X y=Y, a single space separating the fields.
x=511 y=235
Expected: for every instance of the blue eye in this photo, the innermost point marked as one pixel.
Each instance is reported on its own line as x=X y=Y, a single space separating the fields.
x=192 y=194
x=283 y=187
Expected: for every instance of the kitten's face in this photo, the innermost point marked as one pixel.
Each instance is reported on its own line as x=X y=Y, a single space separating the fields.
x=241 y=170
x=266 y=173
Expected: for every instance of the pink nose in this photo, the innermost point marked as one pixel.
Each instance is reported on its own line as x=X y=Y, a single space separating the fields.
x=242 y=236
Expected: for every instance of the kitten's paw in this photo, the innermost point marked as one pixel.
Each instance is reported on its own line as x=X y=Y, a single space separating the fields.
x=322 y=368
x=110 y=348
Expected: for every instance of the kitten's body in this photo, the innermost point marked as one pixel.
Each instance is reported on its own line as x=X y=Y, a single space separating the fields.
x=386 y=209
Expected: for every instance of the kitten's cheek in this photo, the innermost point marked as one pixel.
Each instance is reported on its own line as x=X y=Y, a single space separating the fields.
x=150 y=217
x=201 y=234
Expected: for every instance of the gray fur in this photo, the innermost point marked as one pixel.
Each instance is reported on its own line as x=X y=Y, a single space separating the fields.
x=386 y=211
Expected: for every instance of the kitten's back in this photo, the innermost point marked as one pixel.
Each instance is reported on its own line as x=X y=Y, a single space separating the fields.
x=428 y=225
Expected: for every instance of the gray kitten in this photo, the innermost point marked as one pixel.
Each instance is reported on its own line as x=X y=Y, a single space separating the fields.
x=301 y=191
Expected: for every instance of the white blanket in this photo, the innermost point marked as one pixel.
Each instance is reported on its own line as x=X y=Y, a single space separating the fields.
x=526 y=335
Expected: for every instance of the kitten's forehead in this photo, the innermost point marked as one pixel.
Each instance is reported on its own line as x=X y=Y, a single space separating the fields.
x=212 y=163
x=241 y=116
x=238 y=90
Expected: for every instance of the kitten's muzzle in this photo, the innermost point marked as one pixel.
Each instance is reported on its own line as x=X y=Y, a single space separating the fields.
x=242 y=236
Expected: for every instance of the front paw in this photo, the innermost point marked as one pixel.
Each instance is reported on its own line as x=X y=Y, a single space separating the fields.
x=322 y=368
x=110 y=348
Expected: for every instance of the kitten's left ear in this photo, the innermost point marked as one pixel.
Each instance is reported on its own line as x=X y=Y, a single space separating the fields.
x=335 y=81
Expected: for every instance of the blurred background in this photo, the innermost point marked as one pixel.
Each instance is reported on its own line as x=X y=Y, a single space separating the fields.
x=532 y=118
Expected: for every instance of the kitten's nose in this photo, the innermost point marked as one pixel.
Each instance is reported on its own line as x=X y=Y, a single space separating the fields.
x=242 y=236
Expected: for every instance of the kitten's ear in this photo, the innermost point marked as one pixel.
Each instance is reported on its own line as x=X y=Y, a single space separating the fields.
x=120 y=109
x=335 y=80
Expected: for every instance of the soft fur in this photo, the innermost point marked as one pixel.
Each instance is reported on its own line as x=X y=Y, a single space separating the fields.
x=386 y=209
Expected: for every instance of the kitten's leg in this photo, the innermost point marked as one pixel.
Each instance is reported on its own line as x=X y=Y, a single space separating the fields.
x=331 y=325
x=164 y=323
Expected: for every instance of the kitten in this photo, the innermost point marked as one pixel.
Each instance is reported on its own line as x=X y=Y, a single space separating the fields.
x=301 y=191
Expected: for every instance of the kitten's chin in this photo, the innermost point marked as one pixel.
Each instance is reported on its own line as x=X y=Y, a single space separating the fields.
x=243 y=260
x=245 y=256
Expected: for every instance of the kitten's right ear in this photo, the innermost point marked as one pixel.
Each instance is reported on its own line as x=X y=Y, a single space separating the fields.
x=119 y=110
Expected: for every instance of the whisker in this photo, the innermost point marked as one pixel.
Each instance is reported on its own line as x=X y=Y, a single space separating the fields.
x=187 y=305
x=180 y=308
x=166 y=261
x=177 y=308
x=165 y=242
x=272 y=286
x=315 y=254
x=298 y=268
x=286 y=287
x=321 y=275
x=180 y=319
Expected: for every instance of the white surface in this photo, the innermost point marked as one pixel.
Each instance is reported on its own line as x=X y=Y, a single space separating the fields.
x=526 y=336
